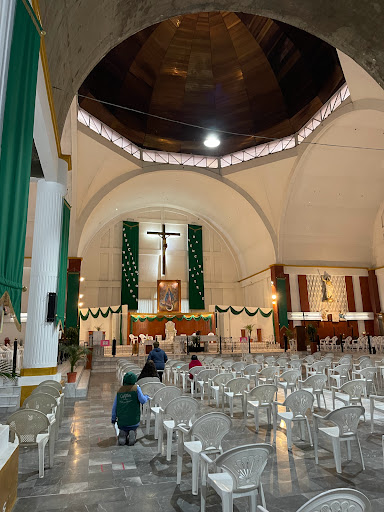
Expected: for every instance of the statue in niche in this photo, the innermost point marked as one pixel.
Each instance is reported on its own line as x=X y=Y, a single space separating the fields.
x=328 y=288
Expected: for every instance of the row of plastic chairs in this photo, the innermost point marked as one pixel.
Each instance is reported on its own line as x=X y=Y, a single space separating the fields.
x=37 y=421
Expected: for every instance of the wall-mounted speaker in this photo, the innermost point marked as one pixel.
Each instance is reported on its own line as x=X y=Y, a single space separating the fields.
x=51 y=313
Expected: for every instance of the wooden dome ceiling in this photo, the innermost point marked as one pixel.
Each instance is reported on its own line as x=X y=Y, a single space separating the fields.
x=221 y=70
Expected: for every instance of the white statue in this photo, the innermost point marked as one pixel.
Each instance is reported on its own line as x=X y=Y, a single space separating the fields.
x=170 y=331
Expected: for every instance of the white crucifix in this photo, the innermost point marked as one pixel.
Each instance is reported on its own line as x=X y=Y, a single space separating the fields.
x=163 y=235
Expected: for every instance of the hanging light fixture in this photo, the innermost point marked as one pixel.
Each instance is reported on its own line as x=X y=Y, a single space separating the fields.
x=211 y=141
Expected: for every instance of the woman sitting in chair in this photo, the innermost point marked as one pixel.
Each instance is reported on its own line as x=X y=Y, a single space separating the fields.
x=194 y=362
x=149 y=370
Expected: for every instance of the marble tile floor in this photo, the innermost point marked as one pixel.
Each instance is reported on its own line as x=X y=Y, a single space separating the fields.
x=92 y=474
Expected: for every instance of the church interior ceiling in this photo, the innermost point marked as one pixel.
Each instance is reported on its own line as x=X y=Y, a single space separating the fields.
x=222 y=70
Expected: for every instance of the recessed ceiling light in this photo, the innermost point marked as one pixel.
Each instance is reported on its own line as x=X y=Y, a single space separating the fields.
x=212 y=141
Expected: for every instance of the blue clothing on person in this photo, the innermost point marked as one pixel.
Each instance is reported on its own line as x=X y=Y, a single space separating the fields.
x=159 y=357
x=142 y=399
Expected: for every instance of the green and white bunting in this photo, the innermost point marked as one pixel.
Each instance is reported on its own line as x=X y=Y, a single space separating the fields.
x=130 y=265
x=196 y=271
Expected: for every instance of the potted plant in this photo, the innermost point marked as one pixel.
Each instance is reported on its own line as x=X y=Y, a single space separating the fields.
x=312 y=331
x=8 y=378
x=71 y=335
x=75 y=354
x=249 y=328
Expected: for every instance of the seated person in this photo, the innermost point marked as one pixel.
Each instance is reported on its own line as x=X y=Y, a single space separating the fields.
x=159 y=357
x=126 y=409
x=149 y=370
x=194 y=362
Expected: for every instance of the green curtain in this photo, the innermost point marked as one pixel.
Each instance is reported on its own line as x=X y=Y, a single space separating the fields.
x=243 y=310
x=62 y=277
x=15 y=159
x=282 y=301
x=99 y=312
x=130 y=265
x=72 y=310
x=195 y=263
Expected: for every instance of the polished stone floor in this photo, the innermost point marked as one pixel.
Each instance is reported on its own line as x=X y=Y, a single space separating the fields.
x=92 y=474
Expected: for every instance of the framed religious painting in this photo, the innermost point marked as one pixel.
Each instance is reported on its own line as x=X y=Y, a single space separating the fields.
x=168 y=296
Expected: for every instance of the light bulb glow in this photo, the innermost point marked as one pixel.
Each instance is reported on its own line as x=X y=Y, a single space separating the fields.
x=81 y=279
x=273 y=297
x=80 y=304
x=211 y=141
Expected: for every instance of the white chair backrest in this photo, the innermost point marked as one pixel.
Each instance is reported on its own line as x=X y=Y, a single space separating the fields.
x=290 y=376
x=210 y=430
x=259 y=358
x=196 y=369
x=319 y=366
x=40 y=402
x=342 y=369
x=251 y=369
x=295 y=364
x=269 y=373
x=299 y=402
x=221 y=378
x=150 y=388
x=205 y=375
x=53 y=383
x=182 y=409
x=245 y=464
x=309 y=359
x=365 y=363
x=270 y=360
x=238 y=385
x=263 y=394
x=368 y=373
x=354 y=388
x=346 y=418
x=164 y=395
x=51 y=390
x=144 y=380
x=315 y=382
x=239 y=366
x=28 y=423
x=345 y=360
x=338 y=499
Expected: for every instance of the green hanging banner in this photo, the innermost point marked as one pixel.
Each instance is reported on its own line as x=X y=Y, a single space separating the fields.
x=72 y=309
x=16 y=150
x=243 y=310
x=99 y=312
x=282 y=301
x=130 y=265
x=195 y=263
x=62 y=277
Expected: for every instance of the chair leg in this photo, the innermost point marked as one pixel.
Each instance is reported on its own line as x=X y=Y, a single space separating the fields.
x=230 y=398
x=148 y=421
x=195 y=474
x=262 y=495
x=256 y=413
x=227 y=501
x=372 y=419
x=180 y=449
x=274 y=425
x=41 y=447
x=203 y=488
x=309 y=431
x=52 y=444
x=318 y=400
x=361 y=453
x=302 y=432
x=349 y=453
x=169 y=443
x=252 y=502
x=160 y=439
x=337 y=454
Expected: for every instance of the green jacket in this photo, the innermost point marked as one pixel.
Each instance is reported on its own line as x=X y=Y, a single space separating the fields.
x=128 y=406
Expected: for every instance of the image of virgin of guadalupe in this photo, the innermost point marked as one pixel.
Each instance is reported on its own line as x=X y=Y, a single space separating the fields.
x=168 y=300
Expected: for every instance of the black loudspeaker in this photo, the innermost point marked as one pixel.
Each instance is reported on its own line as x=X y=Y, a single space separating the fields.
x=51 y=313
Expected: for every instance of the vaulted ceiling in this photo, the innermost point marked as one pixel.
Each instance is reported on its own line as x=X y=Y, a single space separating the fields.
x=221 y=70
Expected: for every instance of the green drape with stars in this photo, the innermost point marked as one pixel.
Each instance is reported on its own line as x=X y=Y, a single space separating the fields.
x=130 y=265
x=16 y=150
x=195 y=264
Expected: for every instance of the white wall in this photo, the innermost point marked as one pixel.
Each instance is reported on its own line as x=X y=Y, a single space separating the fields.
x=101 y=266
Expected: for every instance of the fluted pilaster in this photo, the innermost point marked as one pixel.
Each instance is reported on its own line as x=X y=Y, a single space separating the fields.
x=41 y=338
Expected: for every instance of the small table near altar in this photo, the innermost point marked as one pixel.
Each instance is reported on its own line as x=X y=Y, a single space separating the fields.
x=148 y=345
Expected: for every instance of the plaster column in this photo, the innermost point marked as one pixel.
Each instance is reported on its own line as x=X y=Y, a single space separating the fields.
x=41 y=337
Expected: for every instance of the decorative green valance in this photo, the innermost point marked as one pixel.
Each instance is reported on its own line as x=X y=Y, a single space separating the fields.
x=15 y=158
x=100 y=312
x=238 y=312
x=195 y=264
x=62 y=277
x=160 y=318
x=130 y=265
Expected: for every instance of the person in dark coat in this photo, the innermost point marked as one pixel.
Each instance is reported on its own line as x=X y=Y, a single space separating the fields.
x=149 y=370
x=194 y=362
x=114 y=347
x=126 y=409
x=159 y=357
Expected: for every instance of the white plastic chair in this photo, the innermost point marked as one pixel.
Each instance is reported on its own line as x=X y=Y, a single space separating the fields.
x=297 y=405
x=376 y=404
x=270 y=360
x=242 y=468
x=160 y=399
x=267 y=375
x=181 y=411
x=260 y=397
x=215 y=386
x=32 y=428
x=350 y=393
x=237 y=368
x=368 y=374
x=315 y=384
x=339 y=374
x=335 y=500
x=235 y=389
x=346 y=421
x=288 y=381
x=144 y=380
x=205 y=436
x=202 y=381
x=193 y=372
x=250 y=371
